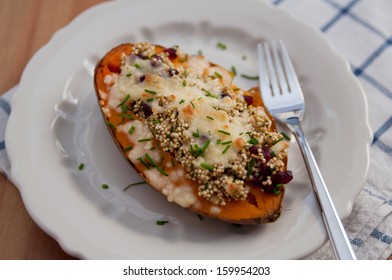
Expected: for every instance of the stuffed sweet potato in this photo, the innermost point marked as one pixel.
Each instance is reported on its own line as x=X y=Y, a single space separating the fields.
x=195 y=137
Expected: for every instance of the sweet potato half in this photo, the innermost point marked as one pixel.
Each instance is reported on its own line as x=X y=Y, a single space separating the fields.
x=192 y=134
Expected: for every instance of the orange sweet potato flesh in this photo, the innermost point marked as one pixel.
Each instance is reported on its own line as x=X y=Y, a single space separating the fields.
x=259 y=207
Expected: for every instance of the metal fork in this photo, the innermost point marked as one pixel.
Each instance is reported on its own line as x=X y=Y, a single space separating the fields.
x=284 y=99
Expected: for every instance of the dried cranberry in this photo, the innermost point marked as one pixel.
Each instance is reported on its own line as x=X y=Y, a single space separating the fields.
x=146 y=110
x=114 y=68
x=264 y=171
x=142 y=78
x=282 y=177
x=172 y=53
x=254 y=150
x=266 y=153
x=248 y=99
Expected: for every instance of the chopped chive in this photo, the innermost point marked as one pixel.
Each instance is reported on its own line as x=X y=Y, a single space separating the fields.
x=234 y=70
x=156 y=121
x=219 y=75
x=200 y=52
x=111 y=124
x=196 y=134
x=150 y=91
x=173 y=162
x=124 y=100
x=182 y=101
x=150 y=99
x=211 y=118
x=128 y=148
x=207 y=166
x=184 y=83
x=137 y=66
x=81 y=166
x=249 y=77
x=144 y=140
x=226 y=149
x=252 y=141
x=105 y=186
x=161 y=223
x=209 y=93
x=133 y=184
x=131 y=130
x=227 y=142
x=205 y=146
x=277 y=188
x=250 y=167
x=244 y=57
x=277 y=141
x=193 y=105
x=273 y=154
x=221 y=46
x=219 y=141
x=224 y=132
x=144 y=163
x=150 y=159
x=126 y=116
x=285 y=136
x=128 y=75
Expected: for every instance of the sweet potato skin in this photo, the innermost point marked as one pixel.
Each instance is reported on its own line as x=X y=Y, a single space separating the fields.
x=259 y=207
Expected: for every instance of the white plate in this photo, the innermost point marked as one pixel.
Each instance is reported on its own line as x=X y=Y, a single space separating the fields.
x=55 y=125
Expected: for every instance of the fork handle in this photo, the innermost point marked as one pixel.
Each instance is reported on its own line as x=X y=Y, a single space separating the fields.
x=337 y=235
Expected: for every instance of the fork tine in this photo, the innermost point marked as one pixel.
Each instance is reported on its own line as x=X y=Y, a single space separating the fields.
x=291 y=76
x=263 y=71
x=281 y=73
x=271 y=69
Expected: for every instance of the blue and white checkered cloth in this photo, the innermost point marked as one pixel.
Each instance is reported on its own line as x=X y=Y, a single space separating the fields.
x=361 y=30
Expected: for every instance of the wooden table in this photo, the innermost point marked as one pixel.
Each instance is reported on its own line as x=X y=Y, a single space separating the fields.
x=25 y=26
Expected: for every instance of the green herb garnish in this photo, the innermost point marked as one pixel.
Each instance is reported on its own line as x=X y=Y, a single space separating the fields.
x=285 y=136
x=161 y=223
x=226 y=149
x=182 y=101
x=221 y=46
x=133 y=184
x=224 y=132
x=128 y=148
x=111 y=124
x=137 y=66
x=105 y=186
x=250 y=167
x=196 y=134
x=81 y=166
x=131 y=130
x=234 y=70
x=219 y=75
x=150 y=91
x=207 y=166
x=152 y=161
x=210 y=118
x=249 y=77
x=209 y=93
x=144 y=140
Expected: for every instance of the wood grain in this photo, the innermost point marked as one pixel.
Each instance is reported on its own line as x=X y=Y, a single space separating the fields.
x=25 y=26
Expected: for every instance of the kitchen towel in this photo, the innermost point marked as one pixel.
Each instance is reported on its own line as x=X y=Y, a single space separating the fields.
x=360 y=30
